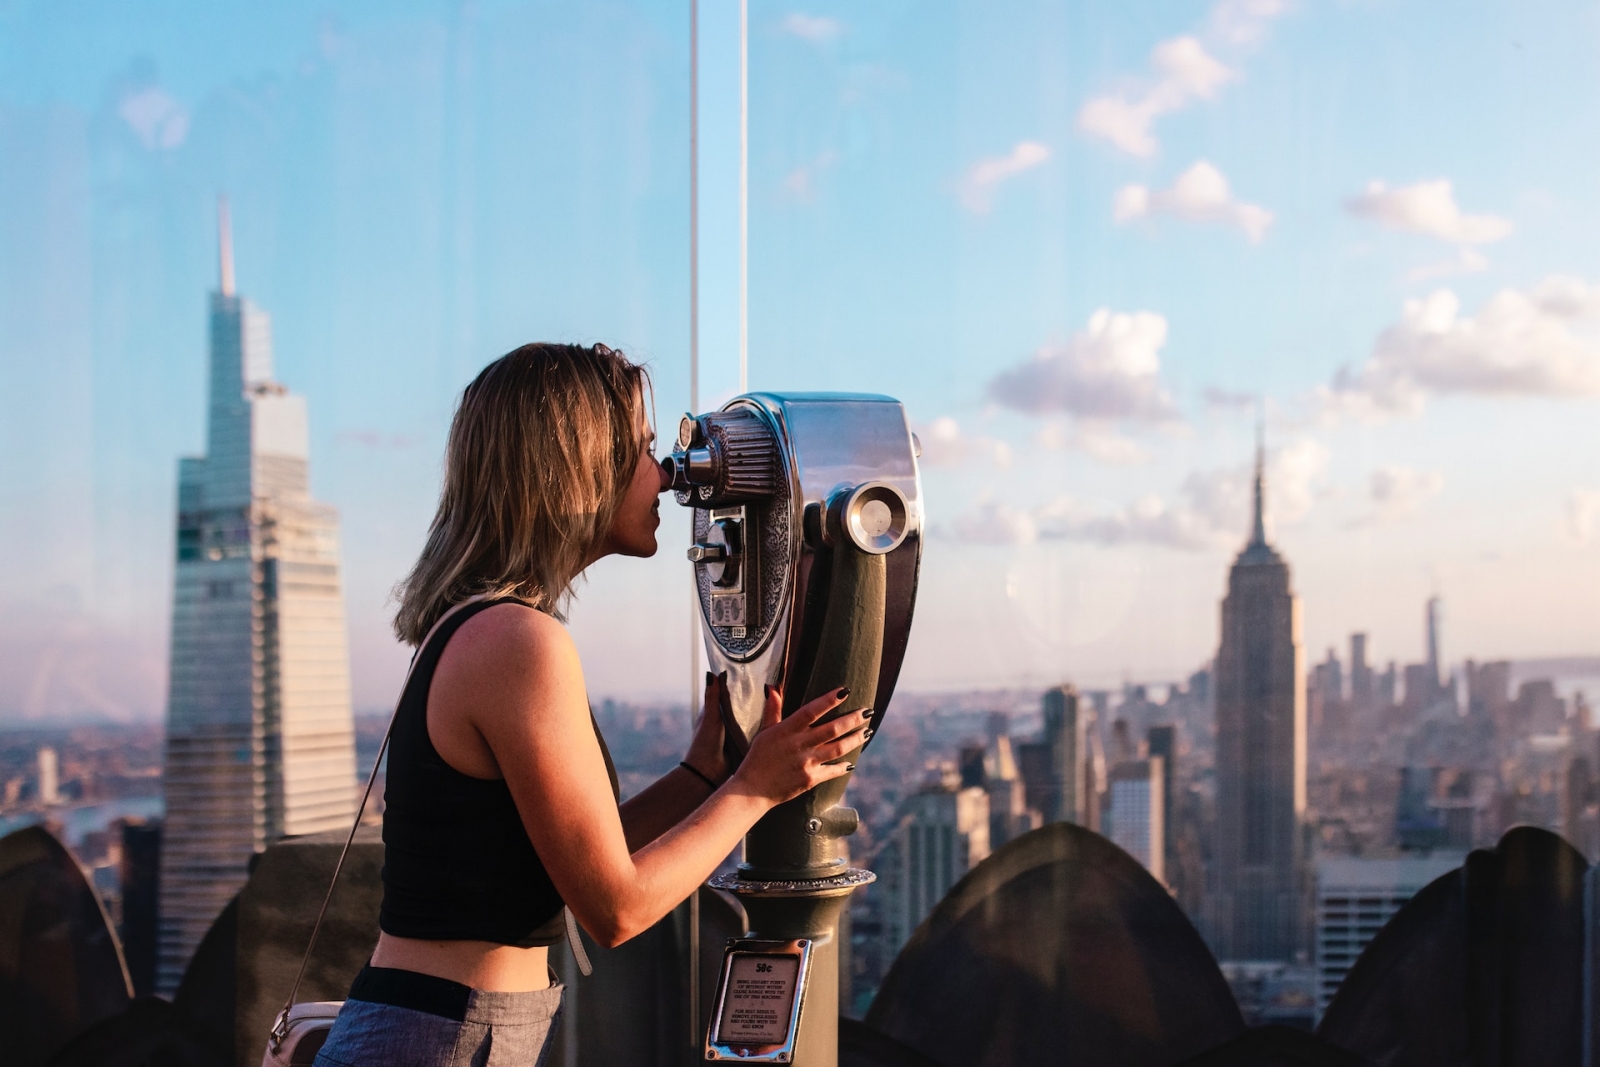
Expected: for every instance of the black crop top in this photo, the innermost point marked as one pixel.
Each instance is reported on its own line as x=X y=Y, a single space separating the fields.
x=457 y=864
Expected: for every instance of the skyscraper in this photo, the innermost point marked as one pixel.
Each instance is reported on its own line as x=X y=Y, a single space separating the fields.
x=1060 y=711
x=141 y=864
x=1255 y=912
x=1162 y=740
x=1363 y=683
x=942 y=834
x=1009 y=814
x=1136 y=816
x=260 y=742
x=49 y=776
x=1435 y=667
x=1356 y=896
x=1049 y=765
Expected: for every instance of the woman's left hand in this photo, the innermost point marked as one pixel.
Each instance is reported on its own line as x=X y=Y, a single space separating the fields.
x=706 y=749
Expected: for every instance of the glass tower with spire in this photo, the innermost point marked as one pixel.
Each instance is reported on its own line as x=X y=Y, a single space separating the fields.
x=260 y=742
x=1255 y=912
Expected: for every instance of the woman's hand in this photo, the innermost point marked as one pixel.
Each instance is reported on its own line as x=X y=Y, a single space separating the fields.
x=707 y=748
x=789 y=756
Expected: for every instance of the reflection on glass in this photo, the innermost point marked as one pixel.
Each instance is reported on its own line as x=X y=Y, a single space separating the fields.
x=1252 y=347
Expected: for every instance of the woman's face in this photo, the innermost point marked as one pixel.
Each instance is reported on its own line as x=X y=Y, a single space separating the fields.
x=633 y=530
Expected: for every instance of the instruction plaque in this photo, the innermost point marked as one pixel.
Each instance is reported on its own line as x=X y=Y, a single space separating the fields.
x=757 y=1009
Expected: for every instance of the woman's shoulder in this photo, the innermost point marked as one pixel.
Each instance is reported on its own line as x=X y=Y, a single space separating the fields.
x=513 y=626
x=511 y=640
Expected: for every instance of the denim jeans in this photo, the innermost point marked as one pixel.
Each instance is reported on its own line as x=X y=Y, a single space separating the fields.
x=472 y=1028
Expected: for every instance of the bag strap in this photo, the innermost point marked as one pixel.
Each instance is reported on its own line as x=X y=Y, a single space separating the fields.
x=280 y=1029
x=575 y=943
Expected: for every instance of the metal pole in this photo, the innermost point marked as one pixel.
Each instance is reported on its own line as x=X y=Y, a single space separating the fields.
x=694 y=205
x=744 y=196
x=695 y=1035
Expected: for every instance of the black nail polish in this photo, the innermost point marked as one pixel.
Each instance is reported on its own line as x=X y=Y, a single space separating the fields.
x=711 y=679
x=842 y=694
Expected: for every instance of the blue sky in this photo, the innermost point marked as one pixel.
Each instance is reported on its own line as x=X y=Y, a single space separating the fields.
x=1081 y=241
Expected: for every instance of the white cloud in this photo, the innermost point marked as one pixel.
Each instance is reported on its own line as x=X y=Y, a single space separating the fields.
x=801 y=183
x=1219 y=399
x=1465 y=261
x=1213 y=513
x=1200 y=194
x=1582 y=516
x=818 y=29
x=1149 y=520
x=1428 y=208
x=945 y=445
x=978 y=184
x=992 y=523
x=155 y=117
x=1293 y=477
x=1540 y=341
x=1110 y=370
x=1094 y=436
x=1244 y=22
x=1397 y=492
x=1183 y=73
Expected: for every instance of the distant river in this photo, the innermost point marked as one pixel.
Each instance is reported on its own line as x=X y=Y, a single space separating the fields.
x=85 y=819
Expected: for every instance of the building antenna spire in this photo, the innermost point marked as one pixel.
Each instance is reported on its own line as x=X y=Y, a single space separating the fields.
x=224 y=246
x=1258 y=530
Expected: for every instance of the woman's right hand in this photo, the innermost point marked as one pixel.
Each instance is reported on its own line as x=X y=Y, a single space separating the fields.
x=789 y=756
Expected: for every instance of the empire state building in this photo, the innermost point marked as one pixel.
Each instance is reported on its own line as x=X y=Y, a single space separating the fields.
x=260 y=741
x=1255 y=913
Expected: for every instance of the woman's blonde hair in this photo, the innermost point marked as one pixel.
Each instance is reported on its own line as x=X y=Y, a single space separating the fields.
x=541 y=453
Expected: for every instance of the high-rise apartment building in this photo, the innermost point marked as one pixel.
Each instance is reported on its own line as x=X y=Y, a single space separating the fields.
x=1136 y=816
x=140 y=878
x=1355 y=897
x=1091 y=766
x=1009 y=814
x=1580 y=806
x=1435 y=664
x=260 y=742
x=1060 y=712
x=1255 y=911
x=1363 y=686
x=942 y=834
x=49 y=775
x=1162 y=740
x=1049 y=765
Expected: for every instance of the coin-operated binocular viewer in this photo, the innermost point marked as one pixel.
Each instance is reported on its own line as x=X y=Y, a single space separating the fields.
x=807 y=543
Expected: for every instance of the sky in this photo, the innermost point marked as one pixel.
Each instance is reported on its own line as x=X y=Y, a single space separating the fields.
x=1087 y=245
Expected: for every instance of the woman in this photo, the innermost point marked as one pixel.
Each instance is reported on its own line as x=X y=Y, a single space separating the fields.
x=500 y=799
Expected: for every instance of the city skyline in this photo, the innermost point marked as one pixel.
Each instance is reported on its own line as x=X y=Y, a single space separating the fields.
x=1083 y=244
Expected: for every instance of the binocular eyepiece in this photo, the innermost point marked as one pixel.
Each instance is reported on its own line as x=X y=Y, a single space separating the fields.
x=734 y=457
x=726 y=457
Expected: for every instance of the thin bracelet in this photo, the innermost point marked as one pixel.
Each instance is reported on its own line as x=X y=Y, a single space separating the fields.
x=685 y=765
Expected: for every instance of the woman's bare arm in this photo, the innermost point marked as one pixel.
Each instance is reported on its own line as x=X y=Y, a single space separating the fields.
x=661 y=805
x=511 y=681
